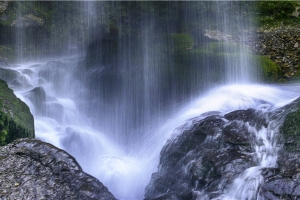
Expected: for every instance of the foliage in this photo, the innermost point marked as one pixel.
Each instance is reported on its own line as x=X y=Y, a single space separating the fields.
x=14 y=109
x=271 y=72
x=276 y=9
x=182 y=42
x=276 y=13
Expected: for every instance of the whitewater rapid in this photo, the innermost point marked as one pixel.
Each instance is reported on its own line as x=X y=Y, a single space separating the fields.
x=126 y=172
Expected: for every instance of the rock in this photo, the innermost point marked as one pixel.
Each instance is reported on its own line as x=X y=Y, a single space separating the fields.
x=16 y=121
x=8 y=75
x=3 y=6
x=37 y=96
x=28 y=20
x=217 y=35
x=32 y=169
x=211 y=151
x=290 y=128
x=207 y=154
x=280 y=45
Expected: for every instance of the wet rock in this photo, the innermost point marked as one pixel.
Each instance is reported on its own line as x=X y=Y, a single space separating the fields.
x=31 y=169
x=211 y=151
x=8 y=74
x=277 y=186
x=290 y=128
x=37 y=96
x=236 y=133
x=250 y=116
x=207 y=155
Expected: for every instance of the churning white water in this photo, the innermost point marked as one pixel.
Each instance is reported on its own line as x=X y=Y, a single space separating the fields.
x=126 y=172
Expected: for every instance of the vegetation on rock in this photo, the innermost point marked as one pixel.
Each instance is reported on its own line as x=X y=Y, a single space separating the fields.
x=271 y=72
x=16 y=120
x=272 y=14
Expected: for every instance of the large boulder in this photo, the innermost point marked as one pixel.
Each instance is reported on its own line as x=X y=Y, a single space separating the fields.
x=16 y=121
x=209 y=152
x=32 y=169
x=205 y=154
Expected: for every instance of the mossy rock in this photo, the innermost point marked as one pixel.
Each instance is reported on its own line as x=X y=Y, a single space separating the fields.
x=182 y=41
x=271 y=72
x=291 y=131
x=16 y=121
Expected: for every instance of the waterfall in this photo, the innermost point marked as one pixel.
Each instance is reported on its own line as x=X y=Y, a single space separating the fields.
x=114 y=108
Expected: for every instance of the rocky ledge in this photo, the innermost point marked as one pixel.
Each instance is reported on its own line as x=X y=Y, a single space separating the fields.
x=208 y=153
x=282 y=46
x=32 y=169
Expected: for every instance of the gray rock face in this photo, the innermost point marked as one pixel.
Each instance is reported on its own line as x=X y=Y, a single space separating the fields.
x=212 y=150
x=31 y=169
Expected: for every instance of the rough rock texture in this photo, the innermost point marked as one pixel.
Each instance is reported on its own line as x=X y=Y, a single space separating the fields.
x=31 y=169
x=205 y=154
x=16 y=121
x=3 y=6
x=282 y=46
x=210 y=151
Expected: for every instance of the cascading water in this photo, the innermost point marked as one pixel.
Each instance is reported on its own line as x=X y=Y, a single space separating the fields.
x=117 y=132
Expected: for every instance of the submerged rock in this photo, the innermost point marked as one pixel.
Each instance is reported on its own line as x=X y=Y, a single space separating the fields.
x=32 y=169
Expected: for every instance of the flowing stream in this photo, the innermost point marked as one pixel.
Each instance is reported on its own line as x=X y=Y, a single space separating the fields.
x=121 y=157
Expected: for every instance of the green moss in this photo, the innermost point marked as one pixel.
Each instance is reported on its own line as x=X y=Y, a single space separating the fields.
x=291 y=131
x=16 y=120
x=271 y=14
x=271 y=72
x=182 y=41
